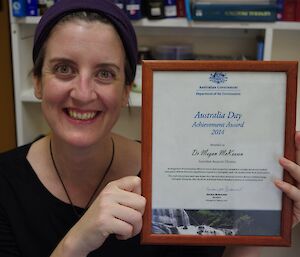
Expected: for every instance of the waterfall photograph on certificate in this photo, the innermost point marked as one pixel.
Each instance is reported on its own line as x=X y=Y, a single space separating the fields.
x=215 y=222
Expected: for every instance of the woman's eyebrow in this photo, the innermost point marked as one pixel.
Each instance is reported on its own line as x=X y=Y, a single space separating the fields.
x=108 y=65
x=61 y=59
x=100 y=65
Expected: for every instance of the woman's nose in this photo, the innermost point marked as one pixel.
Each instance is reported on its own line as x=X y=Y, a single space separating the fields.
x=83 y=90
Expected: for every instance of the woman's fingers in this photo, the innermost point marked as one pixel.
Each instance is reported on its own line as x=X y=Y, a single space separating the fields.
x=121 y=207
x=129 y=183
x=292 y=191
x=291 y=167
x=130 y=217
x=125 y=193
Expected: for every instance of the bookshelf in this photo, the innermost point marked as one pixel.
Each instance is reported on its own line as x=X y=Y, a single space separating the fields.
x=206 y=37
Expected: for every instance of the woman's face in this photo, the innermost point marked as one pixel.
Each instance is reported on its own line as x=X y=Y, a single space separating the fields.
x=82 y=85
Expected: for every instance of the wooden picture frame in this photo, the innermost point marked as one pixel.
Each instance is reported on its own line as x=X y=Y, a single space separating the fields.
x=212 y=134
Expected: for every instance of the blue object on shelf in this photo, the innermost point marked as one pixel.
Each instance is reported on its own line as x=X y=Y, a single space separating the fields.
x=234 y=12
x=19 y=8
x=32 y=8
x=188 y=10
x=170 y=8
x=134 y=9
x=260 y=49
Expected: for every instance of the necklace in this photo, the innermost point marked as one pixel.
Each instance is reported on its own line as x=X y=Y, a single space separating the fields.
x=97 y=187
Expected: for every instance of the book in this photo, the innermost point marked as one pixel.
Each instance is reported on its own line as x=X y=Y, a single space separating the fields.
x=188 y=13
x=260 y=45
x=289 y=7
x=180 y=8
x=240 y=2
x=297 y=10
x=134 y=9
x=19 y=8
x=279 y=4
x=154 y=9
x=32 y=8
x=234 y=12
x=170 y=8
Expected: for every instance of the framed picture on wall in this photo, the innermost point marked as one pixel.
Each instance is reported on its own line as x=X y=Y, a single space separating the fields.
x=212 y=135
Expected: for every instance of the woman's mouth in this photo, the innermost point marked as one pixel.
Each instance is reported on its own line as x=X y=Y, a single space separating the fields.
x=81 y=115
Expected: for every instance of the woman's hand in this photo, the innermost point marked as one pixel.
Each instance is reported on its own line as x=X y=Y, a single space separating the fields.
x=118 y=210
x=293 y=192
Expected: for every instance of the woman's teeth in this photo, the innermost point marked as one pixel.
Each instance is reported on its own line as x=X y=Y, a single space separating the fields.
x=81 y=116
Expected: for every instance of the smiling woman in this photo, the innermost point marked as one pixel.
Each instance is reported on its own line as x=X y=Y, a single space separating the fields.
x=82 y=85
x=80 y=183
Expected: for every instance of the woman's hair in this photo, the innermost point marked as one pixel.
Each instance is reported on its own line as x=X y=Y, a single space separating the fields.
x=90 y=11
x=83 y=16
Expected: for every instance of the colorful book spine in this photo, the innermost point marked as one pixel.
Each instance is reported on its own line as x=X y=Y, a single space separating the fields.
x=188 y=8
x=279 y=4
x=260 y=48
x=289 y=7
x=234 y=12
x=180 y=5
x=19 y=8
x=154 y=9
x=32 y=8
x=134 y=9
x=247 y=2
x=170 y=8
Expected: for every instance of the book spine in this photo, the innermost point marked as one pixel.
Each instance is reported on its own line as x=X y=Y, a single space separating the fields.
x=239 y=2
x=297 y=10
x=19 y=8
x=188 y=7
x=260 y=48
x=289 y=7
x=279 y=4
x=170 y=8
x=32 y=8
x=180 y=8
x=134 y=9
x=232 y=12
x=154 y=9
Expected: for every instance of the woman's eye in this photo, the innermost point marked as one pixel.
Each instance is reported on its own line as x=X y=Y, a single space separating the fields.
x=63 y=69
x=105 y=75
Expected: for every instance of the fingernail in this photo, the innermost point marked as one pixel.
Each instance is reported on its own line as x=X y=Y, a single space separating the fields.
x=283 y=161
x=279 y=182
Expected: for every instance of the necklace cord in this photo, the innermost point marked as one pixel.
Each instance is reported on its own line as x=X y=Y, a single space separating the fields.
x=98 y=186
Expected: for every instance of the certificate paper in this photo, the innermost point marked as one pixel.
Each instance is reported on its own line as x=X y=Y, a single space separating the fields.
x=216 y=137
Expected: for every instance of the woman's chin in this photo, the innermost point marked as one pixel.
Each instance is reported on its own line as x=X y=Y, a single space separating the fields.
x=79 y=139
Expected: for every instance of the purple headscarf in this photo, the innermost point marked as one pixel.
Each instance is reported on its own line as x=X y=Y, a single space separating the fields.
x=105 y=8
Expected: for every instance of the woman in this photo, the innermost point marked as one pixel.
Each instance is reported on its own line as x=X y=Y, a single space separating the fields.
x=70 y=192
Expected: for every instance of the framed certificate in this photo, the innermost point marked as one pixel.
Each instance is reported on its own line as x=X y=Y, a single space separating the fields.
x=212 y=135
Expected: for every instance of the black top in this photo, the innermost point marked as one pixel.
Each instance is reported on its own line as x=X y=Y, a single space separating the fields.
x=33 y=221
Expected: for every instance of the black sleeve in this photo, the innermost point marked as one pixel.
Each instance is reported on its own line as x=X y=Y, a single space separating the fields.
x=8 y=245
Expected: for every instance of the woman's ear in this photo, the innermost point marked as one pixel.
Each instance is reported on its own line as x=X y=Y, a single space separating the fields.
x=126 y=93
x=37 y=83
